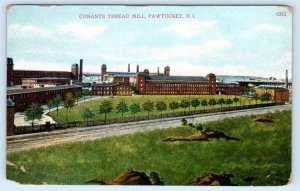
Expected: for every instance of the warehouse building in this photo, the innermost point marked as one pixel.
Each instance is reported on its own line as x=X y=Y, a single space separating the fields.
x=23 y=98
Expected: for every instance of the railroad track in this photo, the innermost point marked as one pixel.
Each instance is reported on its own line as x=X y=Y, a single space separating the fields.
x=43 y=139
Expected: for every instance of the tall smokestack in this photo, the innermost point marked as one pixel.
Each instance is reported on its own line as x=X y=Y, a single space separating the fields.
x=81 y=70
x=128 y=67
x=137 y=68
x=158 y=71
x=286 y=79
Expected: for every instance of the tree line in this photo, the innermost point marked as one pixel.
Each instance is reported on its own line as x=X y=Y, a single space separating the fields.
x=35 y=111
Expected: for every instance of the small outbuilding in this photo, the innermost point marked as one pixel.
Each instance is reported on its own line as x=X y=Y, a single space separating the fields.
x=279 y=94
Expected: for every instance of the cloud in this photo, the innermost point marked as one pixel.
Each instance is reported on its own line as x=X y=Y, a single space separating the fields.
x=187 y=69
x=189 y=29
x=82 y=30
x=187 y=51
x=40 y=65
x=28 y=30
x=282 y=64
x=268 y=28
x=285 y=61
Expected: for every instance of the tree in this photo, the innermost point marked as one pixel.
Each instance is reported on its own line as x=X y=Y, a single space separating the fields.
x=236 y=100
x=122 y=108
x=212 y=102
x=173 y=105
x=34 y=112
x=244 y=90
x=229 y=102
x=161 y=106
x=195 y=103
x=87 y=114
x=78 y=95
x=69 y=103
x=204 y=103
x=56 y=102
x=50 y=104
x=105 y=107
x=249 y=101
x=221 y=101
x=184 y=104
x=266 y=97
x=134 y=109
x=85 y=93
x=148 y=106
x=256 y=98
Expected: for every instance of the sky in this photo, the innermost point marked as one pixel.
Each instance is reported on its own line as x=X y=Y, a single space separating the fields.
x=224 y=40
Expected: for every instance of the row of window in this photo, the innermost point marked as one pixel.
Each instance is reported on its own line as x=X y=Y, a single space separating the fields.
x=112 y=93
x=177 y=93
x=110 y=88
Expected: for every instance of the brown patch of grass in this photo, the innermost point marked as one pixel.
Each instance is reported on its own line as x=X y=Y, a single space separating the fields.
x=203 y=136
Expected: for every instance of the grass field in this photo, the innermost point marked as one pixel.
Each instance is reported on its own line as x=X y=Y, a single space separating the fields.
x=76 y=112
x=263 y=152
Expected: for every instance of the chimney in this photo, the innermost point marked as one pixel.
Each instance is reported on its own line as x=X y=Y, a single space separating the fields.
x=128 y=67
x=137 y=68
x=103 y=72
x=158 y=71
x=286 y=79
x=81 y=72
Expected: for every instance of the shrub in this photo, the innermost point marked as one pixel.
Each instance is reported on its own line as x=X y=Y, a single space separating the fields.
x=183 y=121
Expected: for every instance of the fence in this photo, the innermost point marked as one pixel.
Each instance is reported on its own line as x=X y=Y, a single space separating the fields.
x=30 y=129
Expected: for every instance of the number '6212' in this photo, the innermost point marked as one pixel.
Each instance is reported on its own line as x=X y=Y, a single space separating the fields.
x=281 y=14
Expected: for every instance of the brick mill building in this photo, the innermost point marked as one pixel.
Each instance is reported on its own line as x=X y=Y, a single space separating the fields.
x=23 y=98
x=40 y=86
x=44 y=82
x=118 y=77
x=111 y=89
x=146 y=83
x=14 y=77
x=183 y=85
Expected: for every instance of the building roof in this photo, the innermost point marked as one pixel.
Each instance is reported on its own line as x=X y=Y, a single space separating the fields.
x=270 y=87
x=47 y=78
x=10 y=61
x=156 y=74
x=190 y=78
x=121 y=73
x=9 y=103
x=83 y=84
x=228 y=83
x=31 y=90
x=180 y=82
x=211 y=75
x=109 y=84
x=40 y=71
x=74 y=65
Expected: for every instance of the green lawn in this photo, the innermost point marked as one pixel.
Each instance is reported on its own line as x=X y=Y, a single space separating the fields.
x=263 y=152
x=76 y=112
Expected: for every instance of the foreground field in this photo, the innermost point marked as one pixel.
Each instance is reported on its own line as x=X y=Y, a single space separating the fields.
x=75 y=114
x=263 y=153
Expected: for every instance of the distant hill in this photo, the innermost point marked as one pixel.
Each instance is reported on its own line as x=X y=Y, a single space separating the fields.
x=227 y=78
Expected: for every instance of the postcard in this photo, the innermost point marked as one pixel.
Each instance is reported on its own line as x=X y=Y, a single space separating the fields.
x=149 y=95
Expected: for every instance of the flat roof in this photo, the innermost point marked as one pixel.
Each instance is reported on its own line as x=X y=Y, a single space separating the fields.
x=190 y=78
x=46 y=78
x=20 y=70
x=110 y=84
x=270 y=87
x=122 y=74
x=31 y=90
